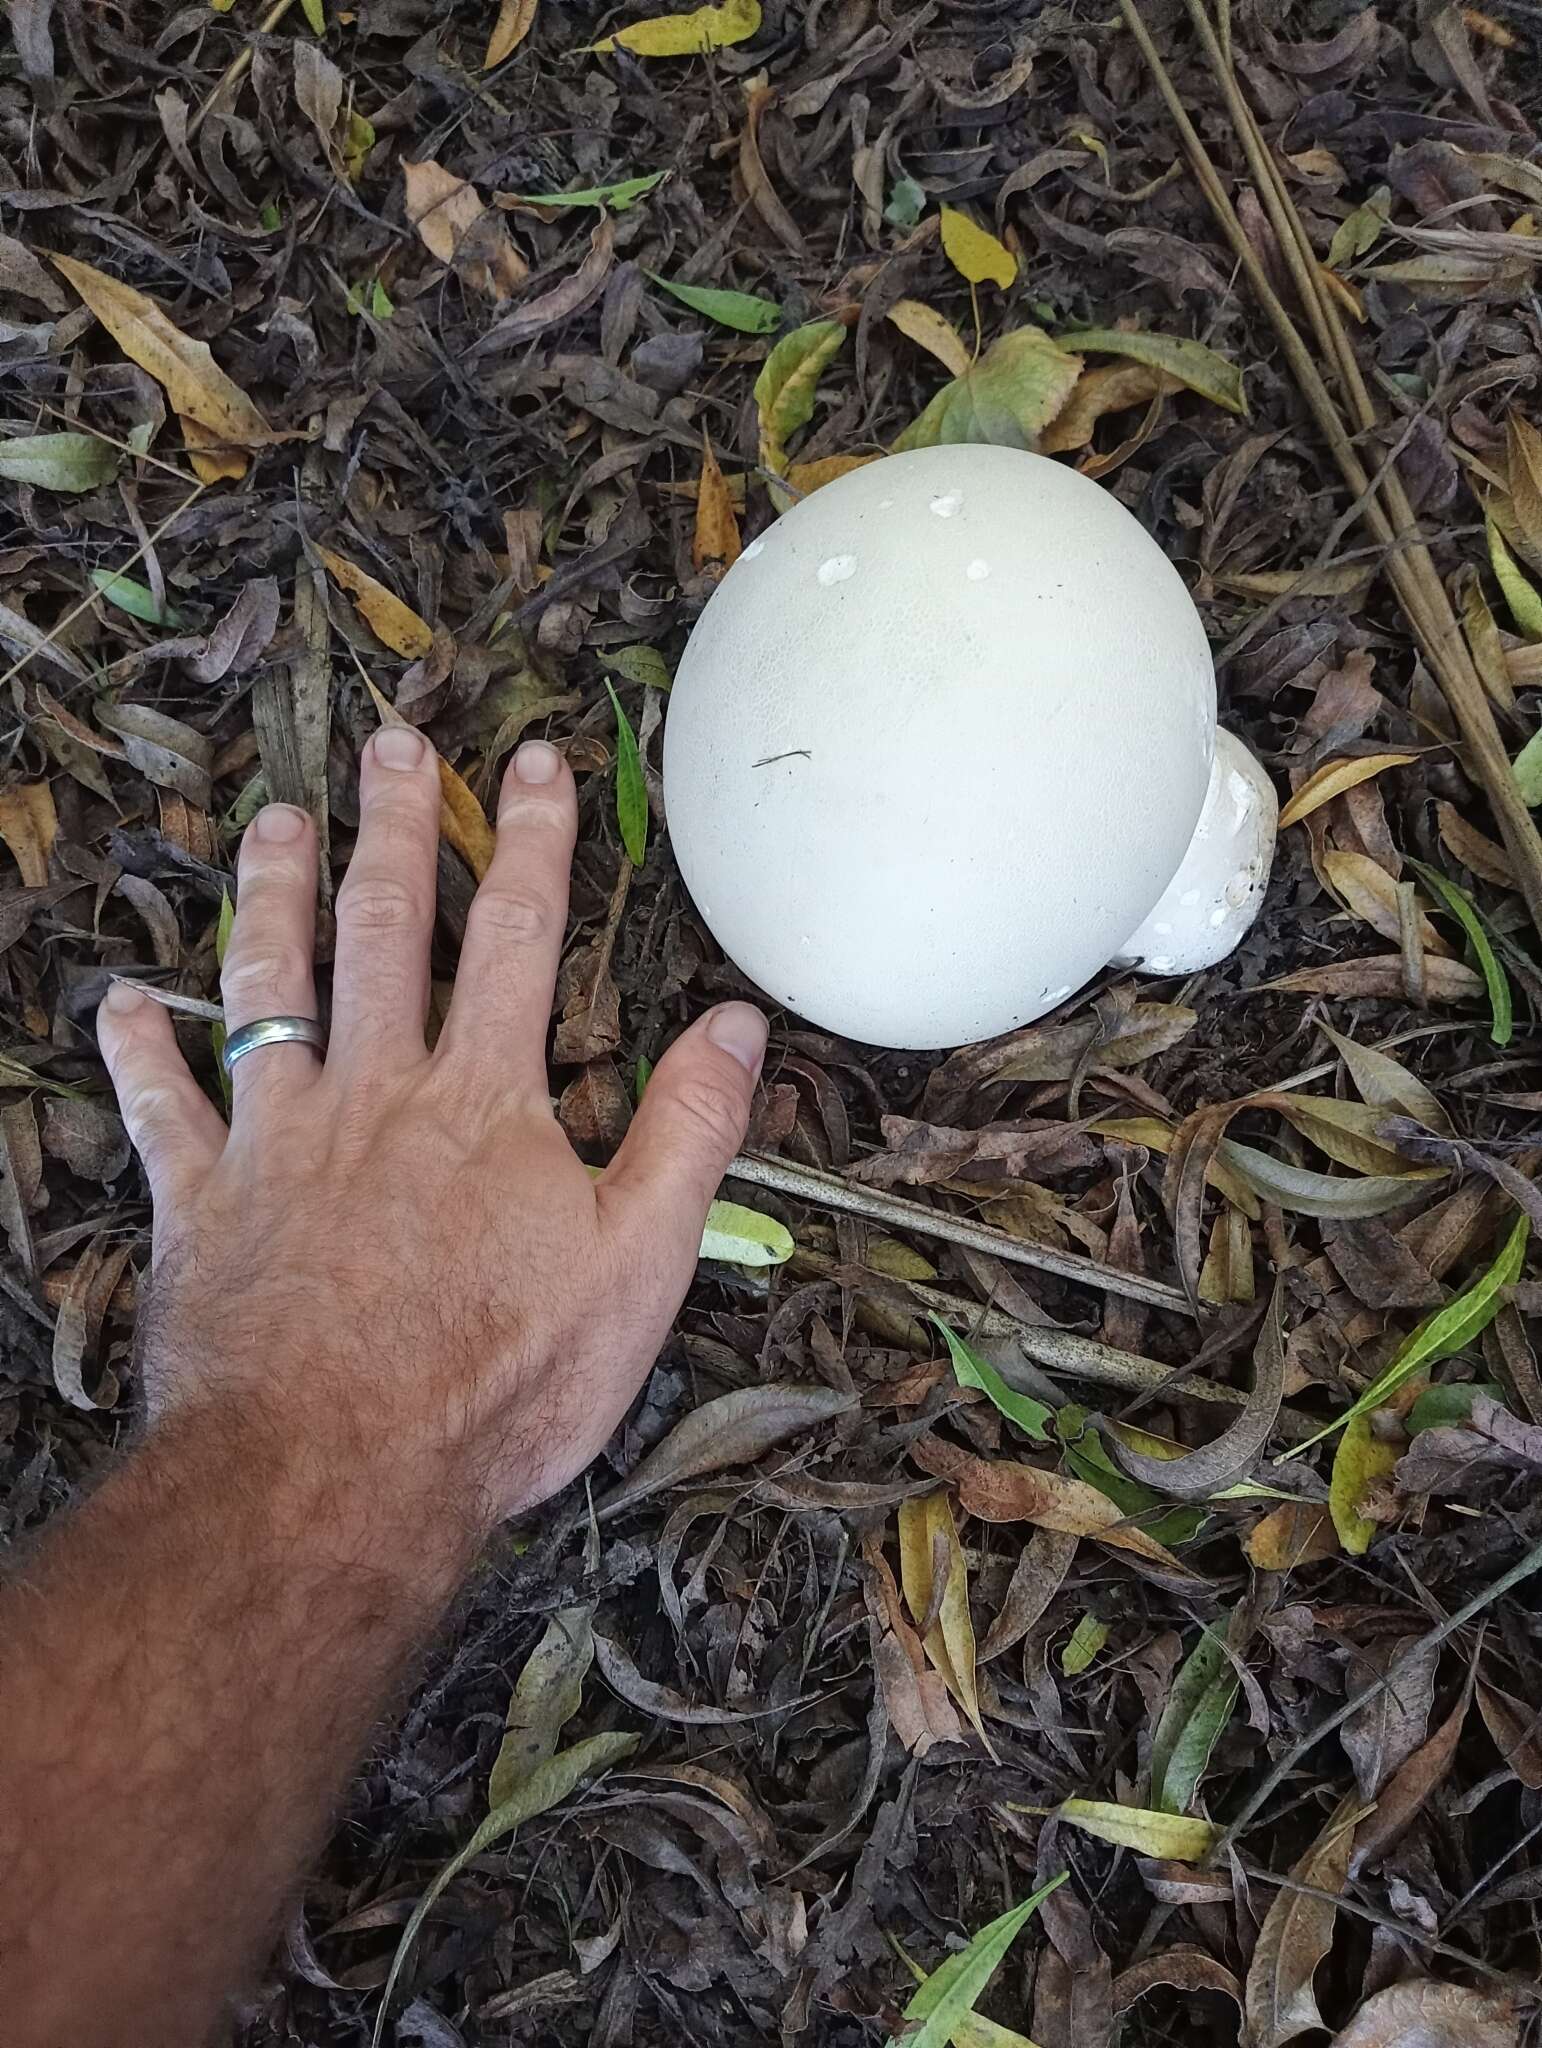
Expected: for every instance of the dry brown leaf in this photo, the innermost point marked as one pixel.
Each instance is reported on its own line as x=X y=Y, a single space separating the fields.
x=1523 y=450
x=515 y=20
x=1301 y=1532
x=196 y=385
x=29 y=825
x=1297 y=1933
x=1368 y=892
x=1115 y=388
x=214 y=460
x=1445 y=981
x=1411 y=1787
x=1424 y=2014
x=1516 y=1729
x=1001 y=1490
x=1485 y=857
x=716 y=536
x=1227 y=1274
x=932 y=331
x=1333 y=778
x=394 y=624
x=455 y=226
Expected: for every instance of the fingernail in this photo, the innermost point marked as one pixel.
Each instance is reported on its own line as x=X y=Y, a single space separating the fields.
x=398 y=746
x=121 y=999
x=277 y=822
x=537 y=762
x=740 y=1029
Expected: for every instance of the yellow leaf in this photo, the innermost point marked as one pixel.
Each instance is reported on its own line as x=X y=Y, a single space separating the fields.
x=1175 y=1837
x=1152 y=1132
x=1368 y=892
x=462 y=821
x=196 y=385
x=1114 y=388
x=1299 y=1533
x=1359 y=1461
x=784 y=390
x=716 y=538
x=213 y=460
x=931 y=330
x=1333 y=778
x=927 y=1534
x=1523 y=598
x=394 y=624
x=687 y=35
x=975 y=253
x=29 y=825
x=1087 y=1638
x=515 y=21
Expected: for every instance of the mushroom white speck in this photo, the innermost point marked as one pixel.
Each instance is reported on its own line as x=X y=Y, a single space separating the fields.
x=996 y=779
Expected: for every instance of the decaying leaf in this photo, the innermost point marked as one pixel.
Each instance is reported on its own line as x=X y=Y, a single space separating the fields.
x=687 y=35
x=546 y=1696
x=515 y=20
x=734 y=1429
x=1361 y=1461
x=1008 y=397
x=1175 y=1838
x=716 y=535
x=1115 y=388
x=932 y=331
x=1296 y=1534
x=1198 y=1708
x=455 y=226
x=1190 y=362
x=784 y=390
x=1333 y=778
x=1198 y=1475
x=1297 y=1933
x=29 y=825
x=1424 y=2014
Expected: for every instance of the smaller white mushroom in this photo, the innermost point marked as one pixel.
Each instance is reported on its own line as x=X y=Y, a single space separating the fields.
x=1216 y=893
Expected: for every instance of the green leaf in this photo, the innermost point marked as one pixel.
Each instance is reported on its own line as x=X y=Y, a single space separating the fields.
x=631 y=794
x=134 y=598
x=1198 y=1708
x=1307 y=1193
x=1523 y=597
x=1497 y=982
x=784 y=390
x=907 y=203
x=225 y=926
x=1359 y=1460
x=546 y=1696
x=1360 y=232
x=1449 y=1406
x=1170 y=1836
x=58 y=462
x=971 y=1370
x=1200 y=368
x=16 y=1073
x=1528 y=769
x=270 y=218
x=1441 y=1335
x=642 y=1074
x=358 y=141
x=953 y=1989
x=1083 y=1452
x=1087 y=1638
x=380 y=300
x=740 y=1236
x=315 y=13
x=618 y=197
x=542 y=1790
x=641 y=665
x=1007 y=398
x=742 y=311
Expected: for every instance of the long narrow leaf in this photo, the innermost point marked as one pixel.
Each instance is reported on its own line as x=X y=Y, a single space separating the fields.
x=1495 y=979
x=951 y=1991
x=631 y=792
x=1198 y=1709
x=971 y=1370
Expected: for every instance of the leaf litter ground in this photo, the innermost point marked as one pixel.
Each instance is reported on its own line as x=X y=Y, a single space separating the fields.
x=435 y=366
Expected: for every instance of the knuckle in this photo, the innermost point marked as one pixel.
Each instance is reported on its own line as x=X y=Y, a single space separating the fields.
x=380 y=904
x=153 y=1111
x=268 y=973
x=713 y=1111
x=514 y=914
x=548 y=811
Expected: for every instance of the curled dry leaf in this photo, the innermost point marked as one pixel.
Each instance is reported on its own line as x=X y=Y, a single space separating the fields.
x=1000 y=1490
x=1297 y=1933
x=1368 y=892
x=1115 y=388
x=932 y=331
x=936 y=1583
x=1445 y=981
x=784 y=390
x=716 y=535
x=1183 y=1968
x=515 y=20
x=1424 y=2014
x=1333 y=778
x=1198 y=1475
x=1412 y=1785
x=733 y=1429
x=914 y=1695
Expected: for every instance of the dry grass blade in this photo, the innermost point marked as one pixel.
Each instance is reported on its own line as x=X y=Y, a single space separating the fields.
x=1387 y=512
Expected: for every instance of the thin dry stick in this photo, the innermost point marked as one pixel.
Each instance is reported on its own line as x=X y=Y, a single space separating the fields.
x=829 y=1191
x=1409 y=564
x=239 y=65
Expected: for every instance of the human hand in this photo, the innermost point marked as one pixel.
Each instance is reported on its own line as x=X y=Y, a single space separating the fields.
x=392 y=1260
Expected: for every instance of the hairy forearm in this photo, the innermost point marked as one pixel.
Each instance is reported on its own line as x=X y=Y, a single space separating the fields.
x=189 y=1666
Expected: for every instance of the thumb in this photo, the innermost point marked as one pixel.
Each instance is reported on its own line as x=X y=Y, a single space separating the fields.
x=690 y=1123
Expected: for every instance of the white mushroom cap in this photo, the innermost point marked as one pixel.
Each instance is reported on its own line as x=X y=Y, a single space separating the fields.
x=1208 y=905
x=937 y=744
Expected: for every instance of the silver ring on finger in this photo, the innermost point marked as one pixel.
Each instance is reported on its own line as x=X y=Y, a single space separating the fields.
x=271 y=1031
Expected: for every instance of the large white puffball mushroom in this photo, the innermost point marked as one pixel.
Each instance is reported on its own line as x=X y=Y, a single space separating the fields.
x=938 y=743
x=1209 y=904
